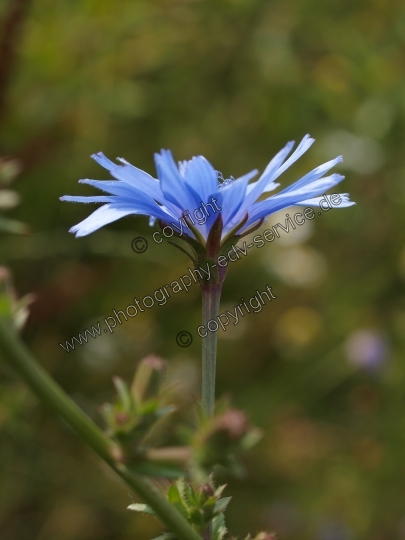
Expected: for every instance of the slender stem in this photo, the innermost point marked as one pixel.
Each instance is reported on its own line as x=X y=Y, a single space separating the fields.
x=211 y=295
x=17 y=355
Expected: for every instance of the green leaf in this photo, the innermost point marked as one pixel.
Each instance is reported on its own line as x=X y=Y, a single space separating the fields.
x=219 y=529
x=182 y=490
x=174 y=497
x=144 y=508
x=166 y=536
x=124 y=395
x=219 y=490
x=221 y=505
x=196 y=517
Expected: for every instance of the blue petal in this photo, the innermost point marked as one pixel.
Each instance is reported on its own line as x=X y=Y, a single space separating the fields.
x=111 y=212
x=113 y=186
x=247 y=176
x=278 y=202
x=266 y=179
x=315 y=174
x=146 y=206
x=304 y=145
x=345 y=202
x=127 y=191
x=201 y=176
x=317 y=186
x=102 y=216
x=90 y=199
x=276 y=167
x=124 y=191
x=173 y=185
x=231 y=199
x=130 y=175
x=276 y=162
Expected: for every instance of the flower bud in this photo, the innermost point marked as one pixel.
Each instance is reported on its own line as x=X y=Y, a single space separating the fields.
x=147 y=380
x=206 y=489
x=221 y=437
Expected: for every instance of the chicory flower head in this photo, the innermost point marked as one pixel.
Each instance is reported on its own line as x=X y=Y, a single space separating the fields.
x=197 y=202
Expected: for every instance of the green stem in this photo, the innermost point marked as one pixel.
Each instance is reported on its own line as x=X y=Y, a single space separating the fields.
x=18 y=356
x=211 y=295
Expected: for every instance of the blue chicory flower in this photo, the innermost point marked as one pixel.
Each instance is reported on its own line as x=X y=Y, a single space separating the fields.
x=181 y=190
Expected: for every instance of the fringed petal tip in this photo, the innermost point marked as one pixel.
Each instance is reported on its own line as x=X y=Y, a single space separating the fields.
x=74 y=230
x=346 y=200
x=308 y=138
x=102 y=160
x=165 y=154
x=306 y=142
x=336 y=176
x=271 y=187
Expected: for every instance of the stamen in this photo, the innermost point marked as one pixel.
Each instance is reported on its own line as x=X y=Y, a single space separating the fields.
x=220 y=176
x=224 y=181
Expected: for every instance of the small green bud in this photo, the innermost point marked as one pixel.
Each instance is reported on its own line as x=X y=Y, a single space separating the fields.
x=221 y=436
x=206 y=489
x=148 y=379
x=121 y=417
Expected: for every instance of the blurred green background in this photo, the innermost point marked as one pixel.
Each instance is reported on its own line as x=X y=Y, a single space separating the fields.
x=322 y=368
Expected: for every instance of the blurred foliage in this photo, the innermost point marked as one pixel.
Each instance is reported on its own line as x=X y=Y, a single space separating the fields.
x=199 y=505
x=14 y=310
x=9 y=198
x=321 y=370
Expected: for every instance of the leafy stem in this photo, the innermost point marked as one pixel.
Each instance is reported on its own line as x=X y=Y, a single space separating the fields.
x=15 y=353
